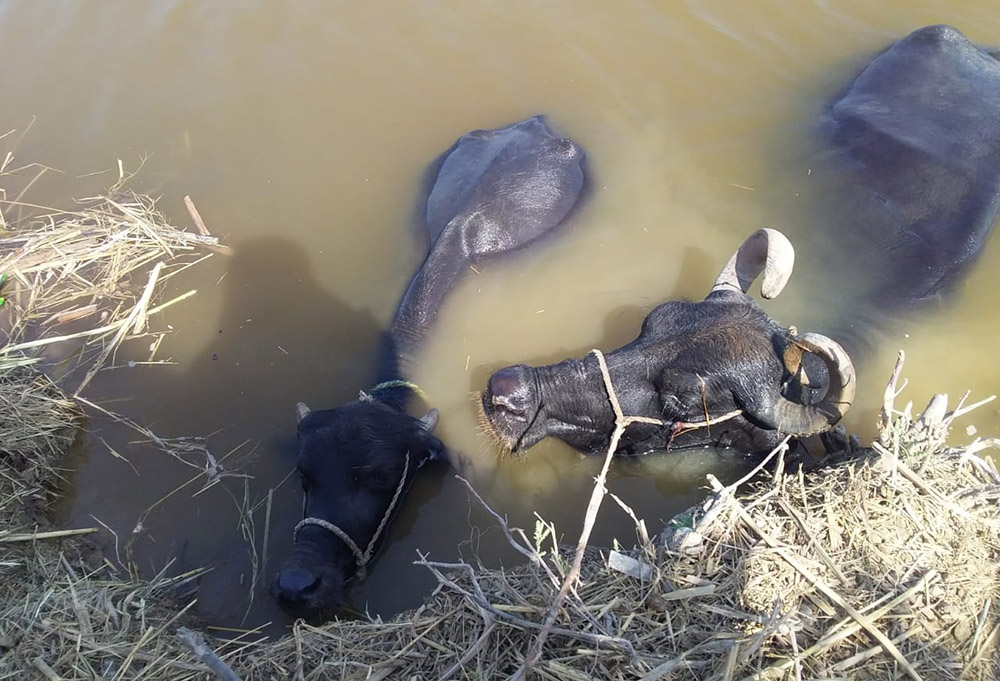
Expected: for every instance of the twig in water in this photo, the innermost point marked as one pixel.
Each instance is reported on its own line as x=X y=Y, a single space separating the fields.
x=136 y=321
x=890 y=394
x=531 y=555
x=55 y=534
x=196 y=216
x=962 y=410
x=196 y=642
x=527 y=549
x=597 y=496
x=780 y=447
x=20 y=347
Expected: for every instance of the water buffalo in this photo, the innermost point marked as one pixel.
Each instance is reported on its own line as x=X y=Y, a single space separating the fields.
x=921 y=125
x=916 y=141
x=913 y=151
x=493 y=192
x=714 y=372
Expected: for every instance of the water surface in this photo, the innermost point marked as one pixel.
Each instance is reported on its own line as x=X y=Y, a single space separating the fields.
x=302 y=132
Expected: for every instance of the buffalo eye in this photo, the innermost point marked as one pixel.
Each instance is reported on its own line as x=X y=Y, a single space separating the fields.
x=304 y=479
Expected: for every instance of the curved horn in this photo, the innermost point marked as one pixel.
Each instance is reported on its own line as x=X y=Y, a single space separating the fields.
x=766 y=250
x=301 y=411
x=801 y=419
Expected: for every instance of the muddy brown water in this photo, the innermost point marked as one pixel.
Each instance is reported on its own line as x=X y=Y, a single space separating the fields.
x=302 y=132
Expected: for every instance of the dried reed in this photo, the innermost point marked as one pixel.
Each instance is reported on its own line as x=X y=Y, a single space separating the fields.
x=81 y=267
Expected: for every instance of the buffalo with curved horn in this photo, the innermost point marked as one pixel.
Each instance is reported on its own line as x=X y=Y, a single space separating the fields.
x=493 y=192
x=907 y=184
x=714 y=373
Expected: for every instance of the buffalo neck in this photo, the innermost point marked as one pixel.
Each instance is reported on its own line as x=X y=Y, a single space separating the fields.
x=419 y=306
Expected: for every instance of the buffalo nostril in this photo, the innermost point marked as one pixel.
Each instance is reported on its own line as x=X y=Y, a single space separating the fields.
x=509 y=405
x=296 y=583
x=507 y=389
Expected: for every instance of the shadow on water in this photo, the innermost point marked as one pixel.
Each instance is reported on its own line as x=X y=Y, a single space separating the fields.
x=280 y=338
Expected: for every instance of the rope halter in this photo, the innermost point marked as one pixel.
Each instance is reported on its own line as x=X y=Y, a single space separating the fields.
x=361 y=558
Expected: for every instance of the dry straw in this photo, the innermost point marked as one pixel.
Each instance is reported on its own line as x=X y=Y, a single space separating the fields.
x=70 y=281
x=882 y=564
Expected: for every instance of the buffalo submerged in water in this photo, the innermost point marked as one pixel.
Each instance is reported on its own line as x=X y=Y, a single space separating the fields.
x=493 y=192
x=918 y=131
x=712 y=372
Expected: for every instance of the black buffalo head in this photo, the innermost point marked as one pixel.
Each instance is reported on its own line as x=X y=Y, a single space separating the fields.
x=355 y=463
x=718 y=372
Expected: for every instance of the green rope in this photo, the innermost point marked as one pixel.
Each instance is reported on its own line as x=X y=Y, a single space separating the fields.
x=399 y=383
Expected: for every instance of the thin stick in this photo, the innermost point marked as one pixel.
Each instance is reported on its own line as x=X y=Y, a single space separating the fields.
x=55 y=534
x=136 y=320
x=686 y=426
x=267 y=530
x=962 y=411
x=780 y=447
x=532 y=556
x=596 y=497
x=854 y=660
x=196 y=216
x=300 y=665
x=196 y=642
x=890 y=394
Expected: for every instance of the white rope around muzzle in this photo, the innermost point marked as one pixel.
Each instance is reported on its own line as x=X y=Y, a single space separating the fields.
x=361 y=558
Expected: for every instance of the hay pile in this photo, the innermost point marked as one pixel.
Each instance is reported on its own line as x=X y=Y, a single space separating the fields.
x=72 y=278
x=83 y=268
x=883 y=566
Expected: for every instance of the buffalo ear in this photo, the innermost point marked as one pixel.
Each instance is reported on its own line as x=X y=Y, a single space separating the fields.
x=434 y=447
x=431 y=444
x=429 y=420
x=428 y=442
x=309 y=421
